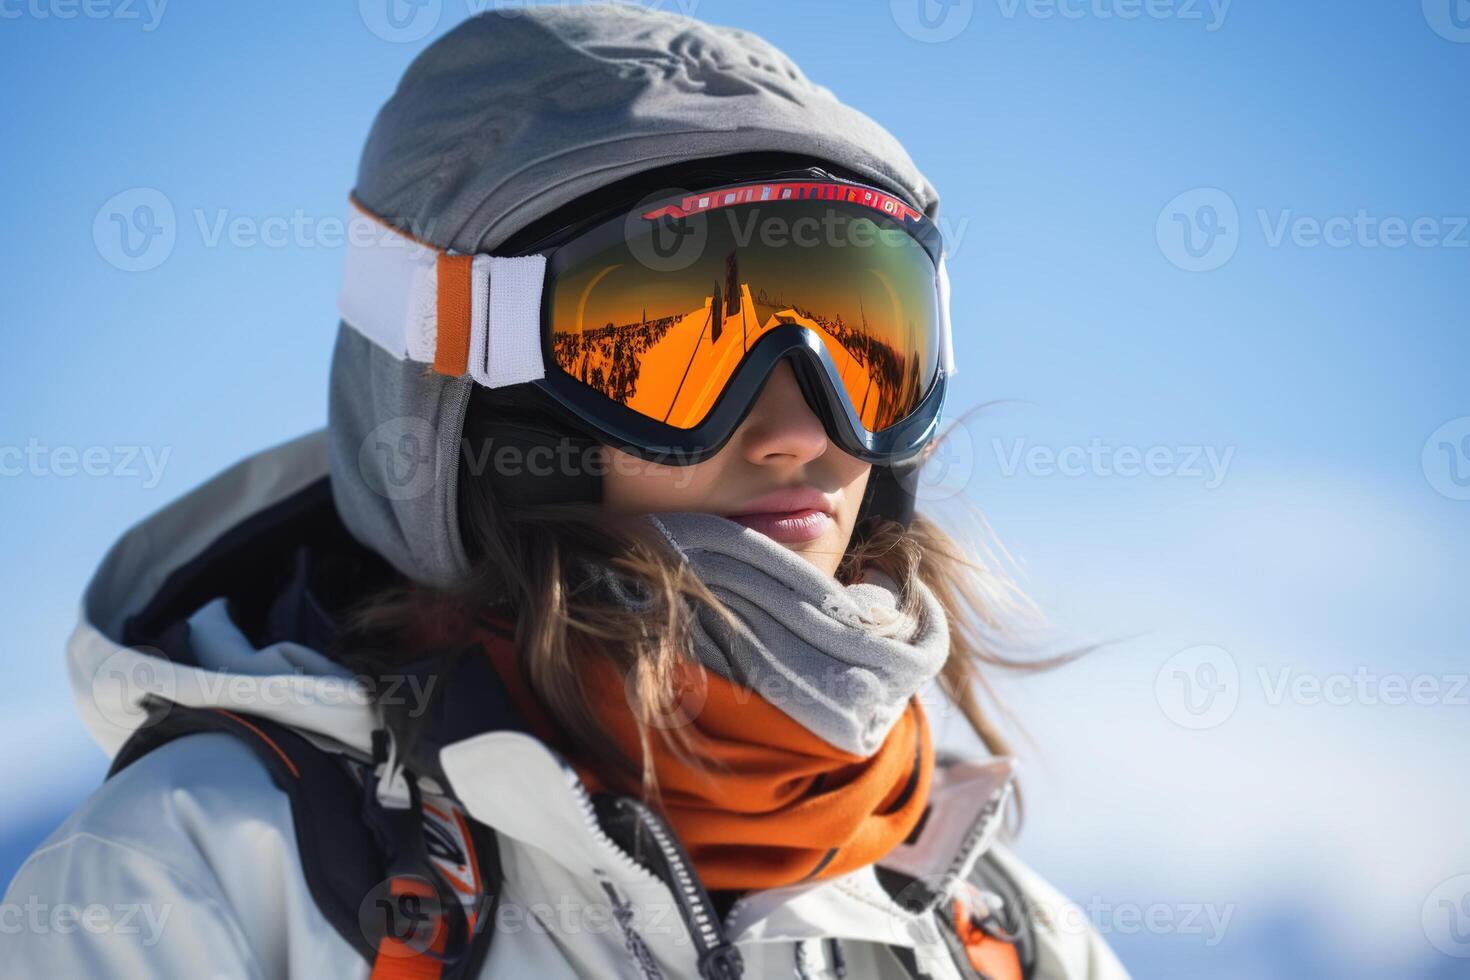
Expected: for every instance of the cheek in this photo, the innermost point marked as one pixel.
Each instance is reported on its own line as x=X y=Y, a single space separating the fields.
x=633 y=485
x=852 y=496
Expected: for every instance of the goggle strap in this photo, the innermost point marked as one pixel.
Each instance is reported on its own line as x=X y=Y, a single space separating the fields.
x=514 y=339
x=462 y=314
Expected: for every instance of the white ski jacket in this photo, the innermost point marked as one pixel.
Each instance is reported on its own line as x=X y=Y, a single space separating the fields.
x=188 y=863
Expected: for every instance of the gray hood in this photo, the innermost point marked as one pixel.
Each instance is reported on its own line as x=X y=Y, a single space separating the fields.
x=504 y=119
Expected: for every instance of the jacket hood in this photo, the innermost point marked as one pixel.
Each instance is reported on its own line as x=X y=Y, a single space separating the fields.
x=503 y=120
x=203 y=603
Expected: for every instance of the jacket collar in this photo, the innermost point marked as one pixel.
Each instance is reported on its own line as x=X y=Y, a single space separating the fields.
x=524 y=791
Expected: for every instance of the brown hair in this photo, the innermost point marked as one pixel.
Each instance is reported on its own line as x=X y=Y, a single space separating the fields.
x=547 y=568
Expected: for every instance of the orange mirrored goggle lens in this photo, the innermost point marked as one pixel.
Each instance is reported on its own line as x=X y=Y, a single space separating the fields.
x=658 y=313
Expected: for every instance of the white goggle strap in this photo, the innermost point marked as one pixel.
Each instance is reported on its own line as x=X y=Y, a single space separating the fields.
x=946 y=335
x=476 y=315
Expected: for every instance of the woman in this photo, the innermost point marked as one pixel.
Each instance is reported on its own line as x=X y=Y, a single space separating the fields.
x=588 y=638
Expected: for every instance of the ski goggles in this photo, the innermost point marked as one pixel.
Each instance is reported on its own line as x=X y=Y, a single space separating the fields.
x=656 y=329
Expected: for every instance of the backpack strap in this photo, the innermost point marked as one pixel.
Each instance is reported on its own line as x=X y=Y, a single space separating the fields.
x=1000 y=940
x=996 y=941
x=373 y=874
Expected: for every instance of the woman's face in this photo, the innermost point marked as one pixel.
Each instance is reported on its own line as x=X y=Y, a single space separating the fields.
x=778 y=474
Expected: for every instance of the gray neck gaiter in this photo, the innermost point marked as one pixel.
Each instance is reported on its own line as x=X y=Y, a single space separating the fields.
x=843 y=661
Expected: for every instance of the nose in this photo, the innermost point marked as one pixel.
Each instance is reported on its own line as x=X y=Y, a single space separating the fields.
x=781 y=427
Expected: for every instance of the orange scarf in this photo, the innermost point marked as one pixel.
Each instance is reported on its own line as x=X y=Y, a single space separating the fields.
x=773 y=804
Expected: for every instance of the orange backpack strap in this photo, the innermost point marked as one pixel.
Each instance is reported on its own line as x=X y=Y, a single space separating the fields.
x=993 y=956
x=993 y=926
x=412 y=946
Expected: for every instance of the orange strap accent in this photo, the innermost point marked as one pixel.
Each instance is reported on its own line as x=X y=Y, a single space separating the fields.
x=268 y=741
x=995 y=958
x=452 y=346
x=397 y=959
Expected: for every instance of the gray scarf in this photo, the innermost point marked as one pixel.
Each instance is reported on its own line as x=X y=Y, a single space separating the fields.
x=844 y=661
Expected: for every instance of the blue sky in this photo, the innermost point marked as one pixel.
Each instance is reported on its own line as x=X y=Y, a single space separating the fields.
x=1316 y=350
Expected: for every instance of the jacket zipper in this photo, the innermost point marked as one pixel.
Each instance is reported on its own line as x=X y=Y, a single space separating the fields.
x=718 y=959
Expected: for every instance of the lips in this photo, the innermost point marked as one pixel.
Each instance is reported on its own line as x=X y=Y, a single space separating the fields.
x=788 y=500
x=790 y=515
